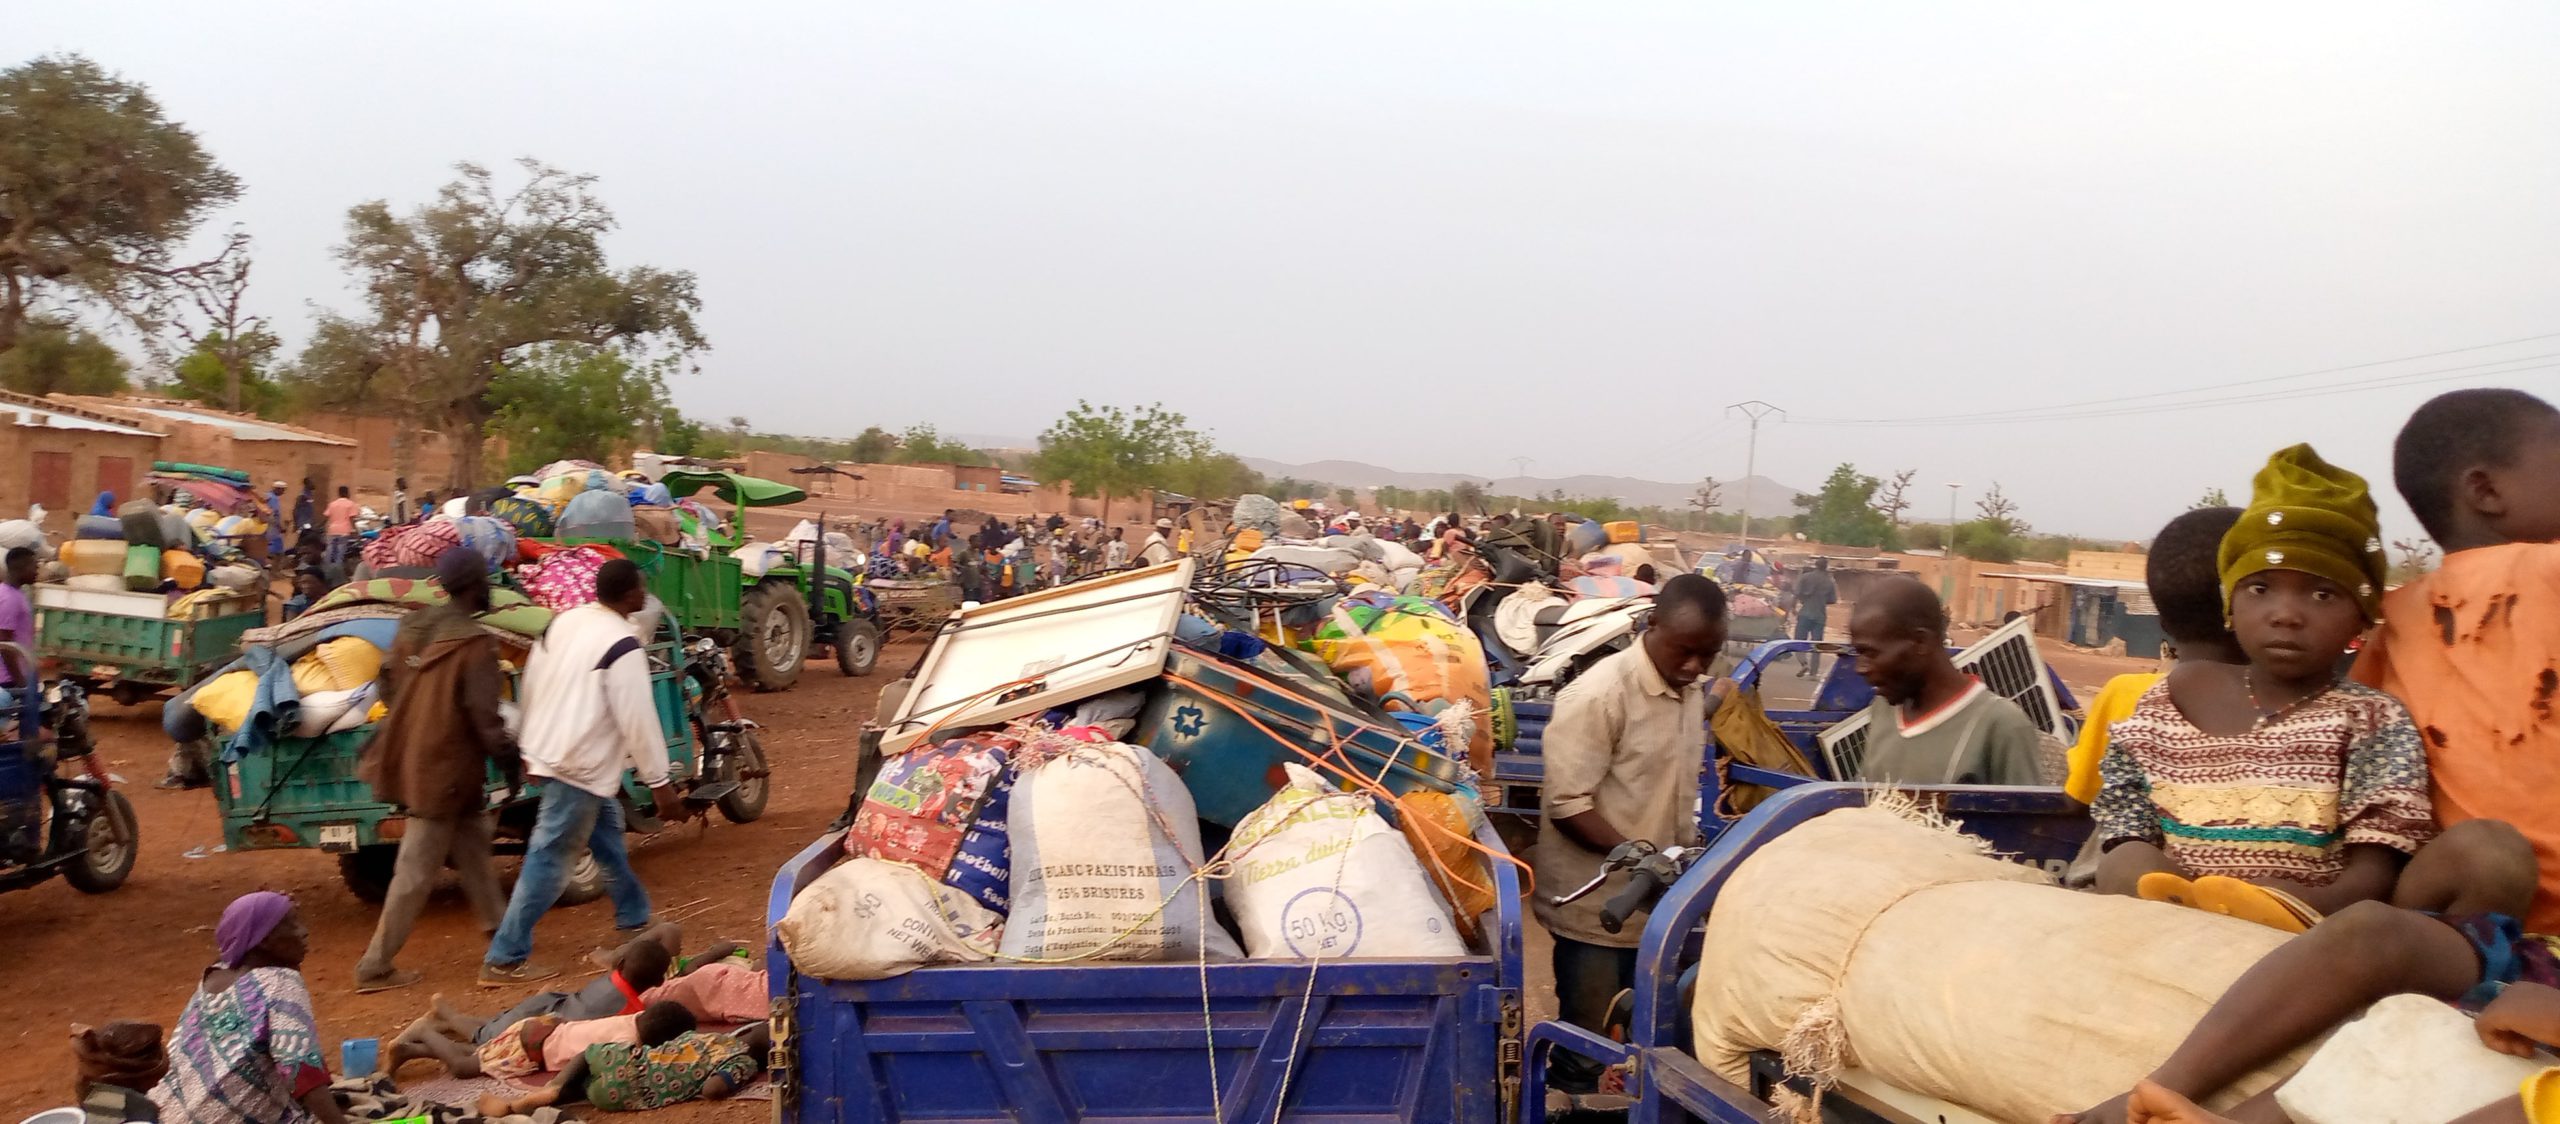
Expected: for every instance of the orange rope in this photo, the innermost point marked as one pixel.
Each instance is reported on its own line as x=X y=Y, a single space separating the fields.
x=1329 y=761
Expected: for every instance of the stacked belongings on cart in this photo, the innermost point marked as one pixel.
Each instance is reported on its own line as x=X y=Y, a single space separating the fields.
x=220 y=508
x=319 y=673
x=1166 y=787
x=148 y=548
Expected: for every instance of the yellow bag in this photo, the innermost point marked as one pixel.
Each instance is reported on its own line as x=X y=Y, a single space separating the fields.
x=343 y=664
x=1624 y=531
x=225 y=701
x=1746 y=736
x=1472 y=894
x=1408 y=655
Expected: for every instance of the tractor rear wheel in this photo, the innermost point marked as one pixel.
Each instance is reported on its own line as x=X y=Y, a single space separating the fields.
x=773 y=636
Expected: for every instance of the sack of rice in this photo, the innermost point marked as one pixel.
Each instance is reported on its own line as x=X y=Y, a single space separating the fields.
x=1105 y=845
x=869 y=919
x=1318 y=875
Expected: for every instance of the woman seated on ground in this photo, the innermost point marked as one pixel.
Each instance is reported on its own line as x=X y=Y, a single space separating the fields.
x=247 y=1048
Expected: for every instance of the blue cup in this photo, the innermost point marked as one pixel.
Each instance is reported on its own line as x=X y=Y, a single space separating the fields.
x=359 y=1057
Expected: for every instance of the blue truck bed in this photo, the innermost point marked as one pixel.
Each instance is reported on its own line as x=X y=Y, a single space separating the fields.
x=1369 y=1040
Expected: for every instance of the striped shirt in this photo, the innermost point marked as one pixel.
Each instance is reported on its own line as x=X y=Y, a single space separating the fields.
x=2283 y=800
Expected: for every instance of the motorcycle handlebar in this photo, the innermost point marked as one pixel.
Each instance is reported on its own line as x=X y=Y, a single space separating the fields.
x=1642 y=887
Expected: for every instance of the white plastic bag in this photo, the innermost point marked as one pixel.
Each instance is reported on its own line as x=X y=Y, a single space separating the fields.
x=1320 y=876
x=1105 y=840
x=869 y=919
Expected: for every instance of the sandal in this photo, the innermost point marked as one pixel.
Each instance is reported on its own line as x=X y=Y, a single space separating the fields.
x=2249 y=901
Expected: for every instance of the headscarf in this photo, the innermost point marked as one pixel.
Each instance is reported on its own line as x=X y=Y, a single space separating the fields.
x=459 y=567
x=2313 y=517
x=105 y=505
x=123 y=1053
x=246 y=923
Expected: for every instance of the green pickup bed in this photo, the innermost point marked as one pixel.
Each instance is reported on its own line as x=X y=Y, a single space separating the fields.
x=128 y=645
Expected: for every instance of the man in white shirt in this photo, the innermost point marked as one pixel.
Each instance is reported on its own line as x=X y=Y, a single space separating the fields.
x=1159 y=547
x=588 y=713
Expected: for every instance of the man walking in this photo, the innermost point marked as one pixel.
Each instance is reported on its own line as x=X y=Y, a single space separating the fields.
x=431 y=755
x=587 y=713
x=305 y=514
x=1815 y=594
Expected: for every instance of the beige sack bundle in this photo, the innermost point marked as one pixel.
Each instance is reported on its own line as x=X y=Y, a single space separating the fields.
x=1869 y=938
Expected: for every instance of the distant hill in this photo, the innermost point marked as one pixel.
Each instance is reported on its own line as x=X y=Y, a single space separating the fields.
x=1768 y=497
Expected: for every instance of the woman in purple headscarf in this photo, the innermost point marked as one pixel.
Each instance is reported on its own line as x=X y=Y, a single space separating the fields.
x=247 y=1048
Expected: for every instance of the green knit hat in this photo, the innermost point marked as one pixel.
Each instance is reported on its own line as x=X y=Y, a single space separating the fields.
x=2308 y=515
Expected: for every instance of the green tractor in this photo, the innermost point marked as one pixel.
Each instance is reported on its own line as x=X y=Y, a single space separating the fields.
x=770 y=624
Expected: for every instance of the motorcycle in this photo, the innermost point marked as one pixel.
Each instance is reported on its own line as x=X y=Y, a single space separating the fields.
x=735 y=777
x=76 y=826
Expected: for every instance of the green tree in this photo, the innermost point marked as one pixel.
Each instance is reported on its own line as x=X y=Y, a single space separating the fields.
x=1989 y=540
x=1107 y=451
x=572 y=400
x=1208 y=474
x=923 y=444
x=54 y=357
x=231 y=374
x=456 y=289
x=1843 y=513
x=1391 y=498
x=1345 y=499
x=99 y=190
x=1468 y=496
x=1924 y=536
x=2212 y=497
x=873 y=445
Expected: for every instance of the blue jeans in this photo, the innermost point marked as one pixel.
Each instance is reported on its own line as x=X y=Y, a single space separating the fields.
x=570 y=817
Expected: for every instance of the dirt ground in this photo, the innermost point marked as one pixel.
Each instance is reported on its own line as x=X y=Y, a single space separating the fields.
x=136 y=953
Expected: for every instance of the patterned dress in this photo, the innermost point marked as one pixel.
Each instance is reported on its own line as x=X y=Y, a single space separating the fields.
x=244 y=1053
x=629 y=1078
x=2283 y=800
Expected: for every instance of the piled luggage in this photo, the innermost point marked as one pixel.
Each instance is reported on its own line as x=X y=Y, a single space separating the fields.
x=1124 y=853
x=1124 y=806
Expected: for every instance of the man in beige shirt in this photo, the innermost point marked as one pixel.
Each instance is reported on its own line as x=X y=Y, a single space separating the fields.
x=1622 y=756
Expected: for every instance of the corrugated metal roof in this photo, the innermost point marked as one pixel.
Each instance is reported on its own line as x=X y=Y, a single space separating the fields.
x=38 y=417
x=242 y=429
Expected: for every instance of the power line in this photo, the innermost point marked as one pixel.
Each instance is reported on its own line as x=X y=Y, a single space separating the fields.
x=2063 y=413
x=1985 y=415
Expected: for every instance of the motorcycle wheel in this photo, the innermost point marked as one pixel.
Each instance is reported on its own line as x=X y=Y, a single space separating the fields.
x=745 y=765
x=110 y=841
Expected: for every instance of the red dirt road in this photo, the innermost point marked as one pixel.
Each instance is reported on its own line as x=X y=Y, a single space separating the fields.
x=136 y=953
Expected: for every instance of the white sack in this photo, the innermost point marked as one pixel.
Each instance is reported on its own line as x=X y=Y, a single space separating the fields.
x=2409 y=1060
x=869 y=919
x=1103 y=835
x=1320 y=876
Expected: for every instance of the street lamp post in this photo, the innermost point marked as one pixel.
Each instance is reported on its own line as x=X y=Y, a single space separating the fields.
x=1952 y=489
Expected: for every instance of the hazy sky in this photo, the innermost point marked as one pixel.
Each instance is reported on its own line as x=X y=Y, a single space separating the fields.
x=1436 y=236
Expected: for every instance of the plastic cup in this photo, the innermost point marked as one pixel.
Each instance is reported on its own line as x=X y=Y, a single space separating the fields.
x=359 y=1057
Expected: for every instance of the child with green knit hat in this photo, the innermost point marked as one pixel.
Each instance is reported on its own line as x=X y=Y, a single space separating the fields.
x=2273 y=791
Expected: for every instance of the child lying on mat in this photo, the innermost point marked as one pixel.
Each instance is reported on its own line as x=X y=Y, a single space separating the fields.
x=629 y=1077
x=532 y=1045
